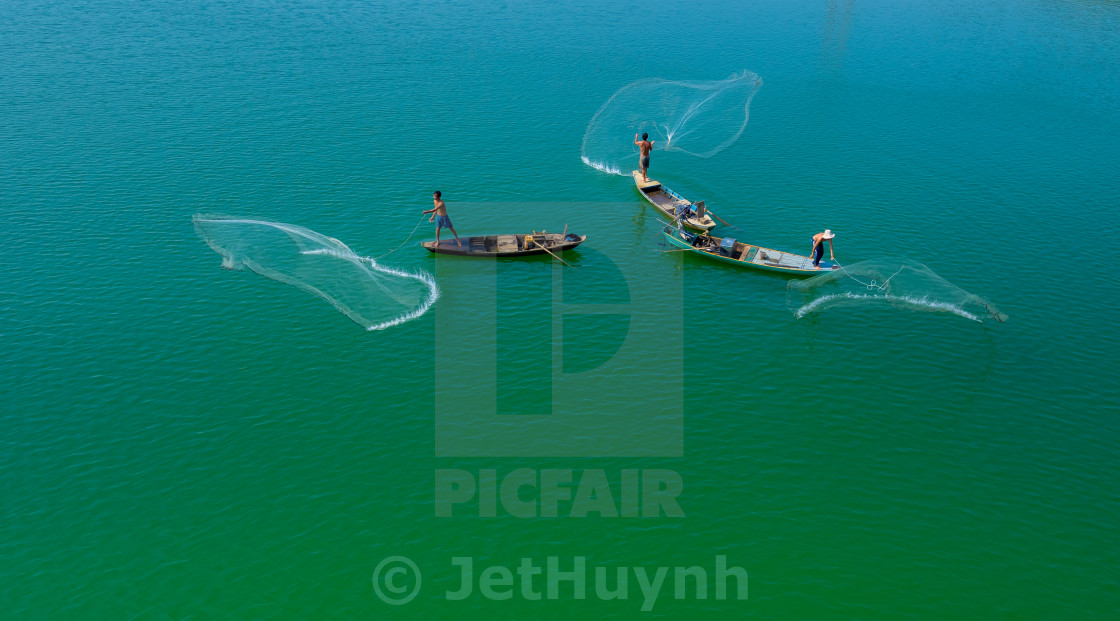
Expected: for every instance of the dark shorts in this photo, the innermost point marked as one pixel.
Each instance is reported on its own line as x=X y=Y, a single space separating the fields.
x=645 y=163
x=443 y=222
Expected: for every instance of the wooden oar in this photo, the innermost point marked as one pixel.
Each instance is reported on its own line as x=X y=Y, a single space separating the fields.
x=724 y=221
x=553 y=256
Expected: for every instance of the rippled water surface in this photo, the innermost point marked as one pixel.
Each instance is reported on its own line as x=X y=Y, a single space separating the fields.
x=183 y=441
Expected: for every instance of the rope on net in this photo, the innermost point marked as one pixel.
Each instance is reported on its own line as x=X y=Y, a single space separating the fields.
x=418 y=222
x=873 y=285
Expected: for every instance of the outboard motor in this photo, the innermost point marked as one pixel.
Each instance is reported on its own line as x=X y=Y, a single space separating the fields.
x=701 y=210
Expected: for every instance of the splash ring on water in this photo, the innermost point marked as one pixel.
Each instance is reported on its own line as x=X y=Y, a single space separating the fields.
x=374 y=296
x=700 y=118
x=909 y=285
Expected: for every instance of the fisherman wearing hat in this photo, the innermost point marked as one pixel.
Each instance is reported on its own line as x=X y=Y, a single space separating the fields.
x=818 y=247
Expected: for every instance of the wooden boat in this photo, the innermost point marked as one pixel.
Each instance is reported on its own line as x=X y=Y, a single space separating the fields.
x=507 y=245
x=669 y=203
x=728 y=250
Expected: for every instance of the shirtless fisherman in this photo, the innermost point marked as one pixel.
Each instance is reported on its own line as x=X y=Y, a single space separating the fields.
x=440 y=211
x=645 y=146
x=818 y=247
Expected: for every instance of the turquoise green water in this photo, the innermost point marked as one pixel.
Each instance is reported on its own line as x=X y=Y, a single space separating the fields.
x=182 y=441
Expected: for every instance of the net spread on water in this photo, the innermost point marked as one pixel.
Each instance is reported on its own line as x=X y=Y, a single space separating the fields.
x=697 y=118
x=373 y=295
x=901 y=284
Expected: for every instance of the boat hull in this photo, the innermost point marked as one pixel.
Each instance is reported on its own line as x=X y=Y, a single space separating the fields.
x=506 y=245
x=666 y=201
x=747 y=255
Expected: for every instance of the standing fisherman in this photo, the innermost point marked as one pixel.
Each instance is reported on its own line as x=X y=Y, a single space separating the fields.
x=440 y=211
x=644 y=146
x=818 y=247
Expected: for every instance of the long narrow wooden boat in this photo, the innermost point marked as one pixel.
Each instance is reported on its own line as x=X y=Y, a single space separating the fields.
x=728 y=250
x=669 y=203
x=507 y=245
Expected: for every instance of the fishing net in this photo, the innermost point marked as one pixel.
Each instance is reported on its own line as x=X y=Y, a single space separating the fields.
x=373 y=295
x=698 y=118
x=901 y=284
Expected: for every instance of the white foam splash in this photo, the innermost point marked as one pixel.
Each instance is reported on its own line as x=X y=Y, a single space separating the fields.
x=373 y=295
x=607 y=168
x=699 y=118
x=891 y=299
x=426 y=278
